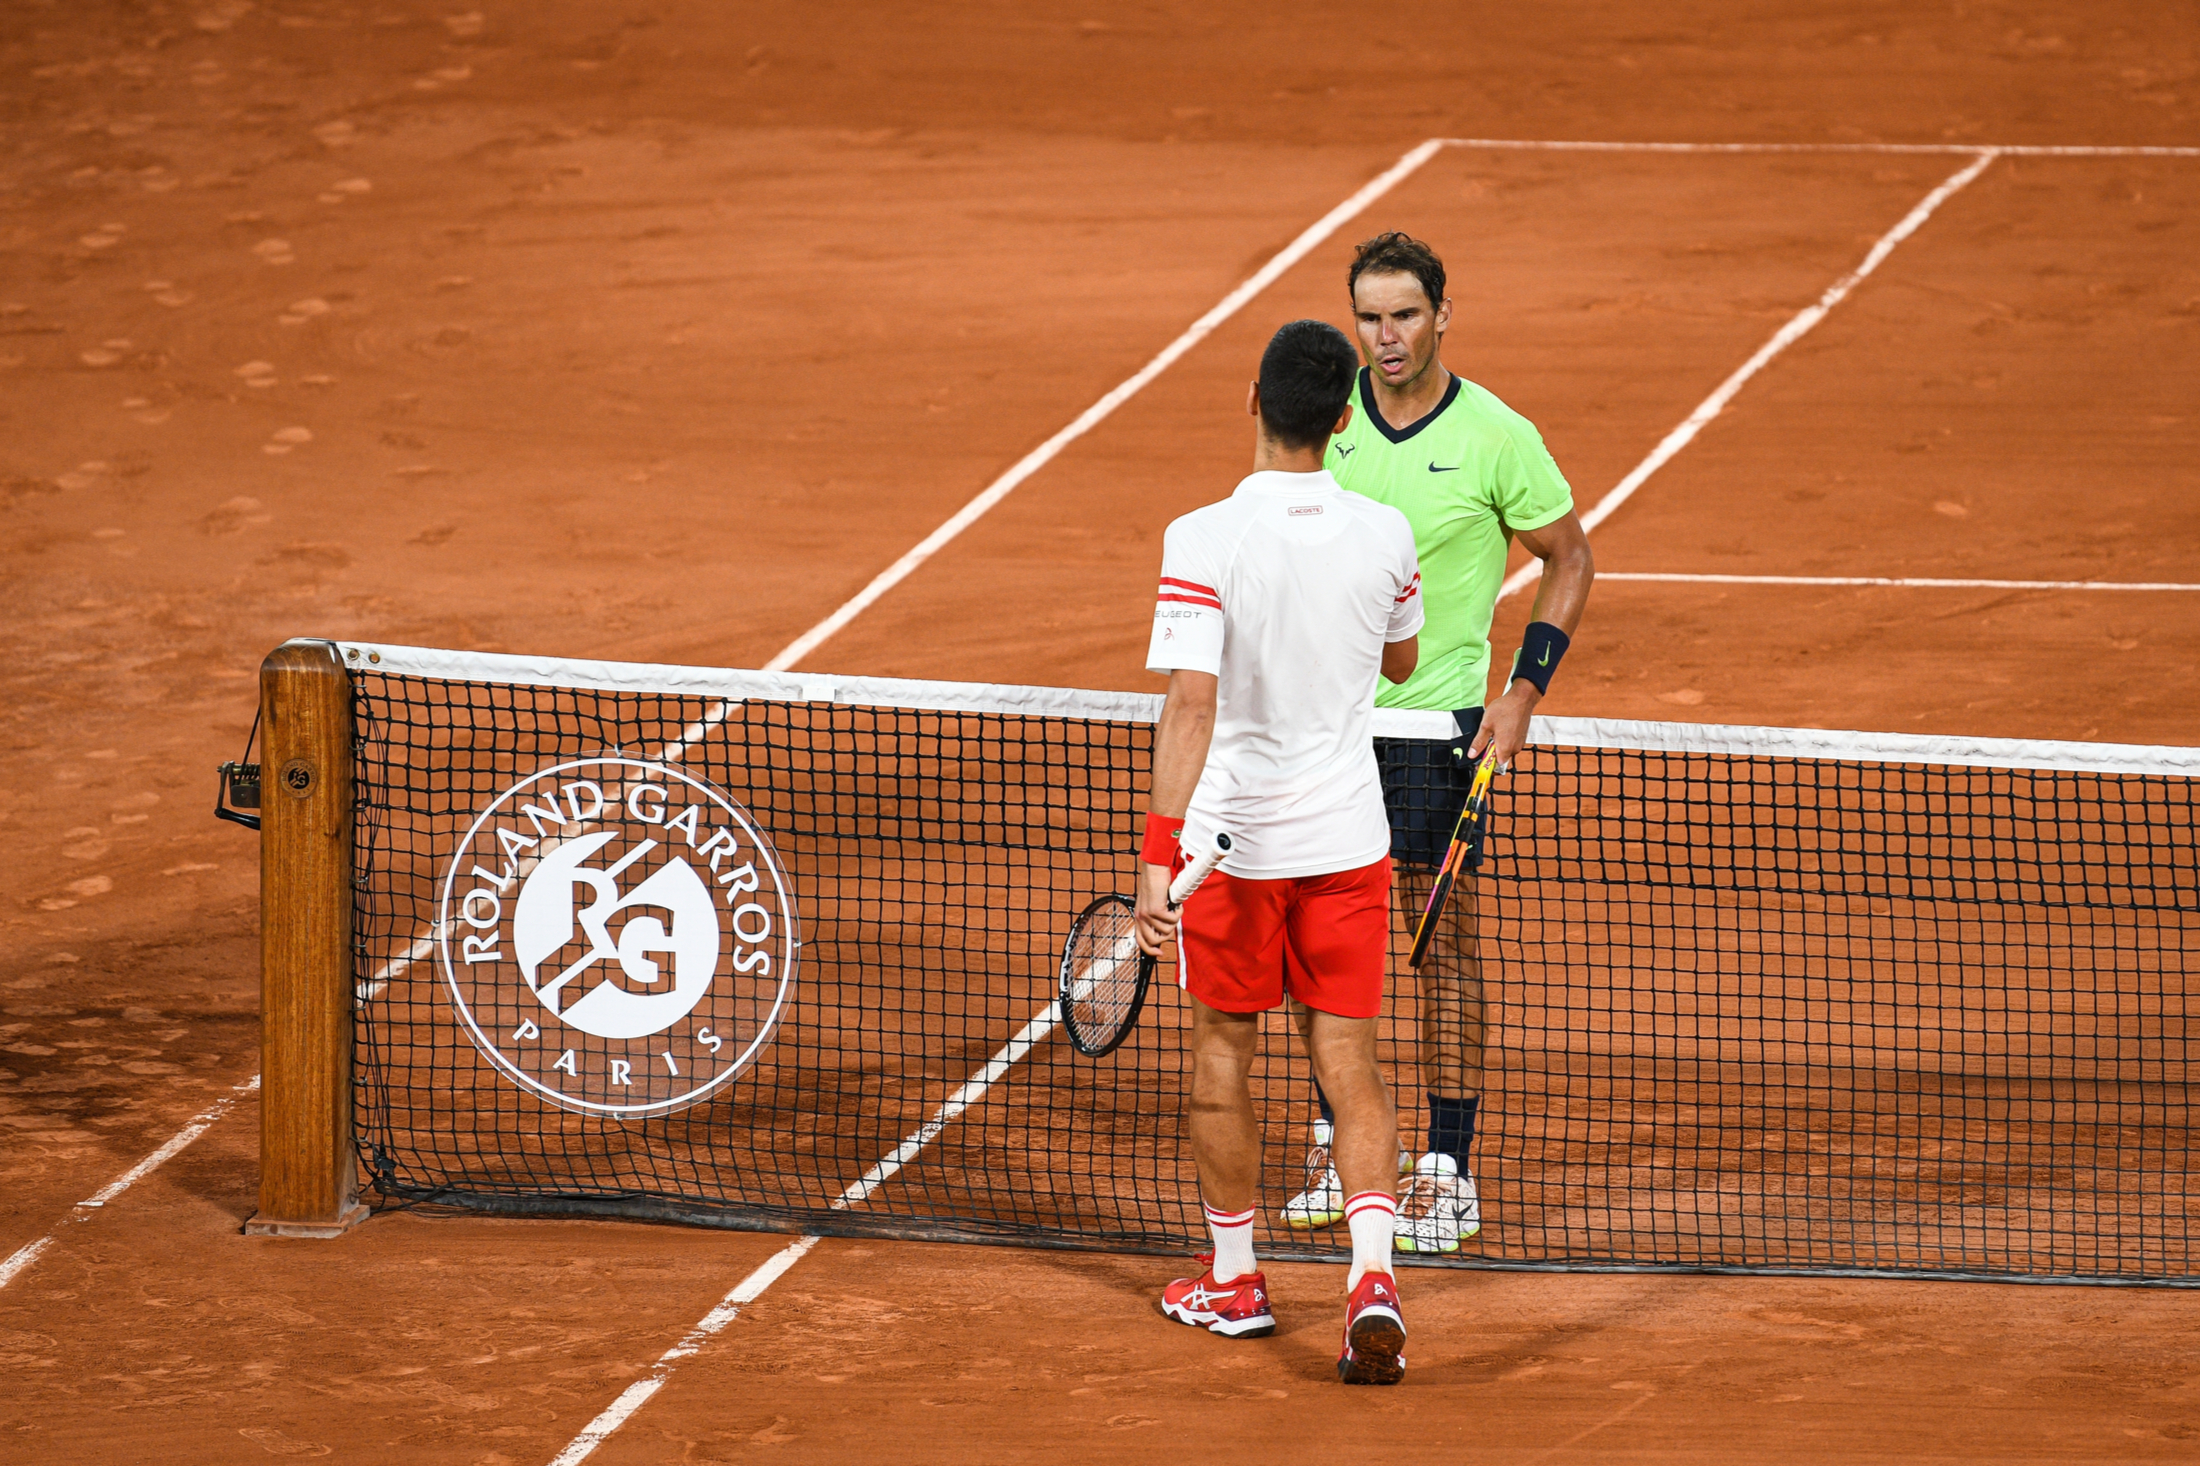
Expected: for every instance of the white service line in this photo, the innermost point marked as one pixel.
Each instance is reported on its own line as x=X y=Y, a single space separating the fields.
x=727 y=1309
x=1800 y=323
x=196 y=1127
x=1091 y=417
x=2022 y=150
x=1925 y=581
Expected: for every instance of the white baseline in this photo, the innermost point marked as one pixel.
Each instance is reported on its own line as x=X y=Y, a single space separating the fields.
x=1928 y=582
x=1790 y=333
x=2020 y=150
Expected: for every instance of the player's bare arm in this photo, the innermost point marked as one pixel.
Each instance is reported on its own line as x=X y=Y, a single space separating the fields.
x=1569 y=569
x=1400 y=658
x=1180 y=744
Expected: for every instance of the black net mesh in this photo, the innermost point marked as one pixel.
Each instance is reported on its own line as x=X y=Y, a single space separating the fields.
x=1742 y=1013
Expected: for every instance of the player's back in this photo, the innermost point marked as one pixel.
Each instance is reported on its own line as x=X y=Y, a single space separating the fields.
x=1288 y=591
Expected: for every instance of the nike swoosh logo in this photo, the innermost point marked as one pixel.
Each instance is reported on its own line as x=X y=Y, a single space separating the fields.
x=1545 y=659
x=1449 y=469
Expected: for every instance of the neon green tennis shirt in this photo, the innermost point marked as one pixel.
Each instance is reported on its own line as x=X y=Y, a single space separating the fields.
x=1465 y=476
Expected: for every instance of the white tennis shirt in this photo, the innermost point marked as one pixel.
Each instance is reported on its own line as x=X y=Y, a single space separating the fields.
x=1287 y=592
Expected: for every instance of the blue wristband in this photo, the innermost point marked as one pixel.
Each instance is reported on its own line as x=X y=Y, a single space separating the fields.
x=1541 y=647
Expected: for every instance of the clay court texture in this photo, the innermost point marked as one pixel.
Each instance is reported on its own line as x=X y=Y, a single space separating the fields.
x=656 y=332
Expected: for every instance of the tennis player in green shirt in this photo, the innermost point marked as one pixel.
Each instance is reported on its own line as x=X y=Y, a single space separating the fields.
x=1471 y=476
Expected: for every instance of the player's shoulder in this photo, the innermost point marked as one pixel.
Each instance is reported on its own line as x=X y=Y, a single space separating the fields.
x=1483 y=412
x=1374 y=511
x=1217 y=512
x=1215 y=527
x=1385 y=522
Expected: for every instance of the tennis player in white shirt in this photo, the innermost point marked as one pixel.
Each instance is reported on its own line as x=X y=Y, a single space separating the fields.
x=1277 y=609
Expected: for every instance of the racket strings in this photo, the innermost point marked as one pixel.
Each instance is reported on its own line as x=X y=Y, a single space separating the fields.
x=1103 y=971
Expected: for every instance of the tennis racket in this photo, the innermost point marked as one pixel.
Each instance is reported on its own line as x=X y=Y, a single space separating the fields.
x=1464 y=853
x=1104 y=975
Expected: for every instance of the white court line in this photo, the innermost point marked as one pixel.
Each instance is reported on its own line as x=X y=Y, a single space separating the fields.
x=419 y=948
x=1797 y=325
x=635 y=1396
x=632 y=1399
x=1936 y=582
x=2025 y=150
x=1091 y=417
x=196 y=1127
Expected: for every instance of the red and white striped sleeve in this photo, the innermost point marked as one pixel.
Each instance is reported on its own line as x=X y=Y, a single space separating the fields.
x=1188 y=608
x=1406 y=612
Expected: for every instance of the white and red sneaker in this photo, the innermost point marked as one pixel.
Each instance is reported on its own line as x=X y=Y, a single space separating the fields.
x=1374 y=1334
x=1238 y=1308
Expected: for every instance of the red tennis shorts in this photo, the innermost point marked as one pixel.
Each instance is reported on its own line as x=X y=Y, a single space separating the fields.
x=1242 y=945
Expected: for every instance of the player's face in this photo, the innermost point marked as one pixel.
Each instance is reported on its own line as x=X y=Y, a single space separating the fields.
x=1399 y=330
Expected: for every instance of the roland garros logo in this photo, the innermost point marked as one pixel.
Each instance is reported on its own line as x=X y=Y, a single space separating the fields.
x=618 y=936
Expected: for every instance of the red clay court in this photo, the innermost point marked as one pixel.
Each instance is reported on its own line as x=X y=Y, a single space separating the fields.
x=658 y=334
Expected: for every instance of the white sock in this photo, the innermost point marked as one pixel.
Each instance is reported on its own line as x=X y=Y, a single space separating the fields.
x=1323 y=1132
x=1371 y=1216
x=1233 y=1235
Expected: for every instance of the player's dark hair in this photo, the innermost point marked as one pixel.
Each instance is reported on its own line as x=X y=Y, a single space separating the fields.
x=1396 y=253
x=1305 y=380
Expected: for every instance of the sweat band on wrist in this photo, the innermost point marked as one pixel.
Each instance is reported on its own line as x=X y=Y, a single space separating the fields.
x=1163 y=835
x=1541 y=647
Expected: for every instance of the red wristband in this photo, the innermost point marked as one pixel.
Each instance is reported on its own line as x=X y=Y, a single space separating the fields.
x=1163 y=834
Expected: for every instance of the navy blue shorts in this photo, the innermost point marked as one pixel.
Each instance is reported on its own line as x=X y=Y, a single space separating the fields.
x=1425 y=783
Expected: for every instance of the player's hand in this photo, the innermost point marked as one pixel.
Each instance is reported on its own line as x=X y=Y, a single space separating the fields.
x=1505 y=725
x=1155 y=919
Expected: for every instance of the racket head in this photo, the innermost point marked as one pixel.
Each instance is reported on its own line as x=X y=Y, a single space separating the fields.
x=1103 y=976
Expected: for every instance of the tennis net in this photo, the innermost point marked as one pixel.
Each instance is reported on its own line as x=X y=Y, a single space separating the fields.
x=1758 y=1000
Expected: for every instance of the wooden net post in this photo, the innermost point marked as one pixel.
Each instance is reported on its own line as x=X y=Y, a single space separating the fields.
x=307 y=1170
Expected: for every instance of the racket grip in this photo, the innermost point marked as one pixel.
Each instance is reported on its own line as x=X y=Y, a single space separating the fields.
x=1203 y=865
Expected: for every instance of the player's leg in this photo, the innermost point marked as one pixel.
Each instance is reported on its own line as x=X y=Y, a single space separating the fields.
x=1340 y=927
x=1319 y=1202
x=1225 y=1133
x=1366 y=1145
x=1229 y=961
x=1440 y=1207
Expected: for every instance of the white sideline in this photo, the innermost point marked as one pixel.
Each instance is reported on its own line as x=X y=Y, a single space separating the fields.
x=196 y=1127
x=1928 y=582
x=727 y=1309
x=1800 y=323
x=635 y=1396
x=1091 y=417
